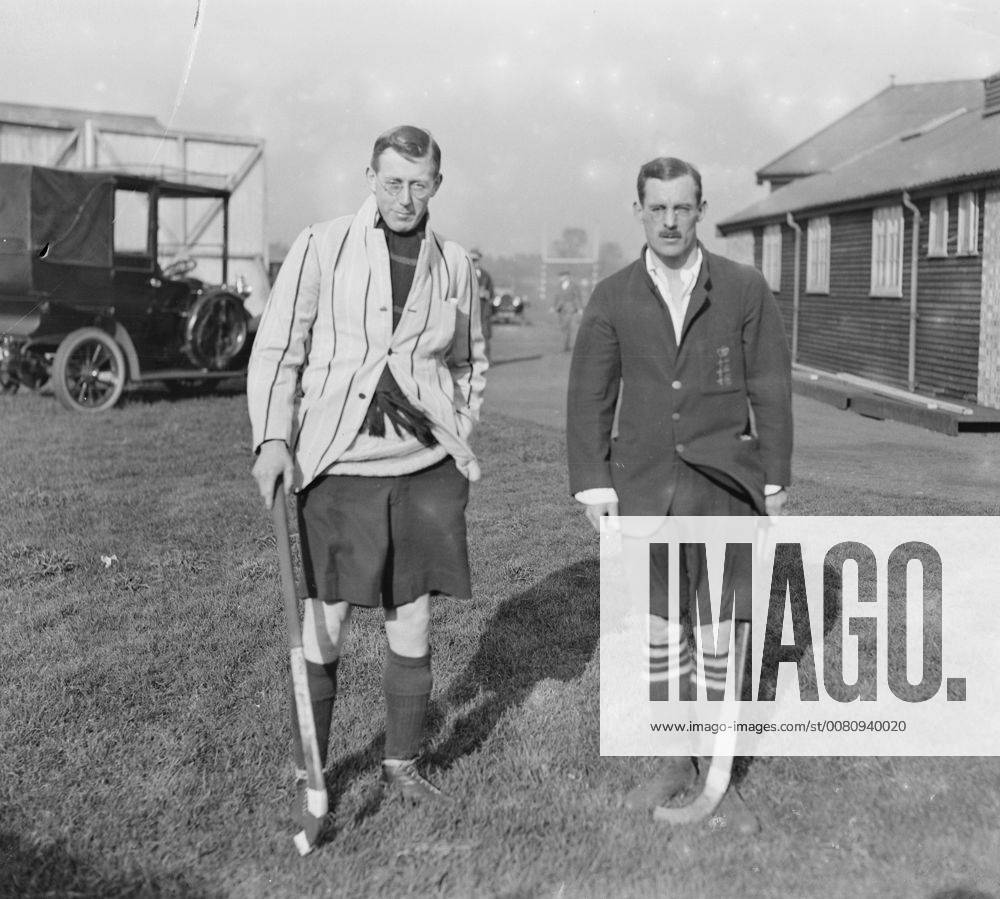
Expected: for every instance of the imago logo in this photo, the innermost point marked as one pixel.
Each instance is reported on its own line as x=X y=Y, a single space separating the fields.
x=813 y=635
x=912 y=574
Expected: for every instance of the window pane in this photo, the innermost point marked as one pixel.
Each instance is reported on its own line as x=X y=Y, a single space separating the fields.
x=771 y=256
x=968 y=223
x=937 y=227
x=131 y=221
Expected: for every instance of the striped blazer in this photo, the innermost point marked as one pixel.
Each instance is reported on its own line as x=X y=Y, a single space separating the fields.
x=328 y=320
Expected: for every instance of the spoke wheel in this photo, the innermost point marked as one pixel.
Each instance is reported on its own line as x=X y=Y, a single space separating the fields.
x=216 y=330
x=88 y=372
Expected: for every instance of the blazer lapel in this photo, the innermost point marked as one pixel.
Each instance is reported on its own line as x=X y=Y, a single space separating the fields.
x=699 y=296
x=652 y=295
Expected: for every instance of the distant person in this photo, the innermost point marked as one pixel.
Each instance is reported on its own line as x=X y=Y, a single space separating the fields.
x=567 y=304
x=486 y=294
x=379 y=316
x=690 y=349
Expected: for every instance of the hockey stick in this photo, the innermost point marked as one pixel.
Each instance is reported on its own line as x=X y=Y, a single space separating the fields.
x=316 y=805
x=721 y=768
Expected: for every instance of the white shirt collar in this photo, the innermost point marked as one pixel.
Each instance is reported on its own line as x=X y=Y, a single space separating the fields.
x=688 y=272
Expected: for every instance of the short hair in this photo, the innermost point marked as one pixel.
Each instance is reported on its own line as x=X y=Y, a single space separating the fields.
x=408 y=141
x=666 y=168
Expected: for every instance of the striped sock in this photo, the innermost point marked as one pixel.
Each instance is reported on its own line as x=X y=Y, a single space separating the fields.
x=712 y=682
x=670 y=667
x=407 y=683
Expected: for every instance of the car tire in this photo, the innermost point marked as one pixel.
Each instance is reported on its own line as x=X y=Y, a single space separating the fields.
x=88 y=372
x=217 y=329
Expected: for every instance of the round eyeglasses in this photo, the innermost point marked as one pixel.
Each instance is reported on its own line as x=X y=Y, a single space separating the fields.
x=419 y=190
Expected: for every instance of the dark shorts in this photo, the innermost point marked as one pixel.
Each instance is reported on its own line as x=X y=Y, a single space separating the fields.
x=700 y=493
x=386 y=541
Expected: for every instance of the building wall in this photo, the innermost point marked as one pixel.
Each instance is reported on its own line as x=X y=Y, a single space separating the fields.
x=948 y=311
x=848 y=330
x=785 y=294
x=989 y=347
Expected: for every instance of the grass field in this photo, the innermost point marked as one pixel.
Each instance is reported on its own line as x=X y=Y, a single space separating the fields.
x=144 y=746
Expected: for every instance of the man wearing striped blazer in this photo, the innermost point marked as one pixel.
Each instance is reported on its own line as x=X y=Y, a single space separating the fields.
x=364 y=385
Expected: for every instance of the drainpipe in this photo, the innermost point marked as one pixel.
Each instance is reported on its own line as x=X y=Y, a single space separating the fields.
x=914 y=258
x=797 y=228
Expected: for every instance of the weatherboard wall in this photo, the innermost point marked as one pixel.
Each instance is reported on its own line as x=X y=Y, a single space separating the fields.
x=989 y=342
x=848 y=330
x=949 y=295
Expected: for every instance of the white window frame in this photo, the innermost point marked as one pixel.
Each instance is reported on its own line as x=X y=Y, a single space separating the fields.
x=818 y=255
x=770 y=260
x=887 y=251
x=968 y=223
x=937 y=227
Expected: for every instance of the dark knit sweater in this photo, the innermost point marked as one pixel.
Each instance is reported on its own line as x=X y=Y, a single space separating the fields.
x=389 y=402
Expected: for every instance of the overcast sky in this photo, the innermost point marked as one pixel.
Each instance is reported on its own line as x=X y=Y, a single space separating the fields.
x=544 y=109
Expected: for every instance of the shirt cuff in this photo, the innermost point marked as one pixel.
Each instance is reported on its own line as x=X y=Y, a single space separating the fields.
x=596 y=495
x=771 y=489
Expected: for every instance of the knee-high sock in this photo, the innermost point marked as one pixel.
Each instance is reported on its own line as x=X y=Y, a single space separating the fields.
x=670 y=667
x=714 y=683
x=407 y=683
x=322 y=679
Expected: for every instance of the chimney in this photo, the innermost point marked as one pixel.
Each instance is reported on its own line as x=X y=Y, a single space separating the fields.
x=991 y=87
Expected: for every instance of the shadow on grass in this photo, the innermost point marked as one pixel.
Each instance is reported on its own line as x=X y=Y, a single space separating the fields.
x=29 y=871
x=548 y=631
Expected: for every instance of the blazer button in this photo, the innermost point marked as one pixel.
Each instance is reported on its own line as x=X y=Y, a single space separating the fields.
x=676 y=385
x=361 y=396
x=676 y=416
x=680 y=447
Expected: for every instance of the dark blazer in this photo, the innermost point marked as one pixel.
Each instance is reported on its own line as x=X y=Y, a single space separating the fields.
x=720 y=402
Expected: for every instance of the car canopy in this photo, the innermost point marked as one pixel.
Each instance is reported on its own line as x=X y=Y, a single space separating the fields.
x=57 y=215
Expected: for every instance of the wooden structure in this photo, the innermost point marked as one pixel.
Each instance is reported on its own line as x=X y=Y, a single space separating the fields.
x=83 y=139
x=885 y=257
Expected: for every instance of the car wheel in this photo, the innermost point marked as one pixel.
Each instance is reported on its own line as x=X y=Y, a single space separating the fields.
x=88 y=372
x=217 y=329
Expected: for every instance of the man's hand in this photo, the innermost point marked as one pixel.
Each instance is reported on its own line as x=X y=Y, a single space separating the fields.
x=774 y=504
x=596 y=511
x=273 y=462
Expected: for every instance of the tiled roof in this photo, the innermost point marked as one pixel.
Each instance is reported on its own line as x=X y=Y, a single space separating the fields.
x=898 y=108
x=956 y=148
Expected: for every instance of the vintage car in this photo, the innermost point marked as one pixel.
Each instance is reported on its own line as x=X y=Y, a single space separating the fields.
x=98 y=285
x=508 y=307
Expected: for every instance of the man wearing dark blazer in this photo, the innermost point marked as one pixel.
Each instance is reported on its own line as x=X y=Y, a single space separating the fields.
x=679 y=404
